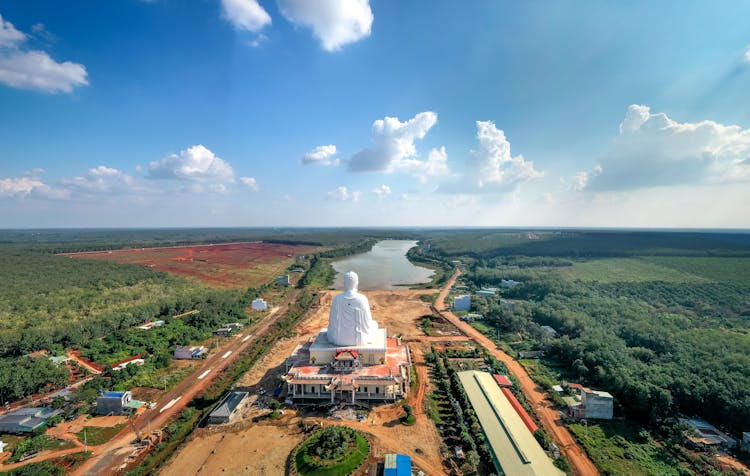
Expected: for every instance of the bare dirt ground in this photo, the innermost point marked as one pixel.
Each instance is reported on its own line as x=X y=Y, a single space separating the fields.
x=232 y=265
x=262 y=448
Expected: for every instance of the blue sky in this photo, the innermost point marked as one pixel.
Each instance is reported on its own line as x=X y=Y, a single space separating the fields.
x=374 y=113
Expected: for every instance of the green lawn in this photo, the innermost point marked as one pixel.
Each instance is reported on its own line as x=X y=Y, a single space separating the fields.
x=98 y=435
x=620 y=448
x=630 y=270
x=725 y=270
x=343 y=466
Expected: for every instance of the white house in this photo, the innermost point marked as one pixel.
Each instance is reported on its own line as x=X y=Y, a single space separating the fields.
x=259 y=304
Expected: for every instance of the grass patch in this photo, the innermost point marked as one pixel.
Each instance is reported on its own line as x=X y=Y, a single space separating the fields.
x=619 y=447
x=98 y=435
x=724 y=270
x=627 y=270
x=332 y=451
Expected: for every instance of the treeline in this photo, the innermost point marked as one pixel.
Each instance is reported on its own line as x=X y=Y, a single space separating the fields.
x=586 y=244
x=22 y=376
x=661 y=349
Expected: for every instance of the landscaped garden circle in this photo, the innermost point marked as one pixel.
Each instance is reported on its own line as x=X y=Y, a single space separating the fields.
x=332 y=451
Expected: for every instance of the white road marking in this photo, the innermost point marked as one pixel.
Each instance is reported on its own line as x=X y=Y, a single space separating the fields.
x=228 y=353
x=246 y=338
x=200 y=377
x=170 y=404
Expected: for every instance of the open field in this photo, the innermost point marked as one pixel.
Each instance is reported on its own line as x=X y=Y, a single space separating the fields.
x=230 y=265
x=630 y=270
x=619 y=447
x=724 y=270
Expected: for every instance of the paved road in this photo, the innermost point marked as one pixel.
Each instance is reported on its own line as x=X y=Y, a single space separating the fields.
x=537 y=398
x=109 y=456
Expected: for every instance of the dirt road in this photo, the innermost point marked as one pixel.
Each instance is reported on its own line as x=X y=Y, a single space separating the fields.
x=550 y=419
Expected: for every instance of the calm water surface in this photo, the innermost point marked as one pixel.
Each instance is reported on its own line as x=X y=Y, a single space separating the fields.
x=383 y=267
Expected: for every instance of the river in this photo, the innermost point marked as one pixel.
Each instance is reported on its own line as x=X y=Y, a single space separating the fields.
x=383 y=267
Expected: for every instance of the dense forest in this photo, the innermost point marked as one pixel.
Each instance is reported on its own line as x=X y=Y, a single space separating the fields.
x=56 y=303
x=666 y=330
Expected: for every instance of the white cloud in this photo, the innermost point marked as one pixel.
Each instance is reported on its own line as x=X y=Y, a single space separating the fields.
x=492 y=168
x=250 y=183
x=321 y=155
x=195 y=163
x=382 y=191
x=30 y=186
x=258 y=41
x=20 y=185
x=393 y=142
x=436 y=165
x=654 y=150
x=747 y=54
x=245 y=14
x=33 y=69
x=9 y=36
x=102 y=179
x=342 y=194
x=334 y=22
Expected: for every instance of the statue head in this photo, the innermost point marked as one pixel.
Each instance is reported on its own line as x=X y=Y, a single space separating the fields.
x=351 y=281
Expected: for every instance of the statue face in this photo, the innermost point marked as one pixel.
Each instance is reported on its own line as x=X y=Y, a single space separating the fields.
x=351 y=281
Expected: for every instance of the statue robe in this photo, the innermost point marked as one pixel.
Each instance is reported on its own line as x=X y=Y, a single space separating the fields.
x=350 y=321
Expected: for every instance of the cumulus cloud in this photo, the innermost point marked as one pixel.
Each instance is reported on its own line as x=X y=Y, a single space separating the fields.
x=382 y=191
x=194 y=163
x=250 y=183
x=747 y=54
x=436 y=165
x=102 y=179
x=32 y=69
x=394 y=146
x=654 y=150
x=342 y=194
x=245 y=14
x=30 y=186
x=334 y=22
x=321 y=155
x=491 y=168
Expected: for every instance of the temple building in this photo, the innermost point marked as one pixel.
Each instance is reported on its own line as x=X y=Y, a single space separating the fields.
x=352 y=360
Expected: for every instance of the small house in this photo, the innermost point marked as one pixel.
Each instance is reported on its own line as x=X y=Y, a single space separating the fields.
x=227 y=409
x=113 y=403
x=190 y=352
x=283 y=280
x=508 y=283
x=462 y=303
x=259 y=304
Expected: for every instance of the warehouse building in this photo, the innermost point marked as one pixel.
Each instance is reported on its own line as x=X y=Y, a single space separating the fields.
x=515 y=450
x=26 y=420
x=228 y=408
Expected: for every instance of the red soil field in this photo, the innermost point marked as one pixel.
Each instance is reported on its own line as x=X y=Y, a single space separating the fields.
x=228 y=265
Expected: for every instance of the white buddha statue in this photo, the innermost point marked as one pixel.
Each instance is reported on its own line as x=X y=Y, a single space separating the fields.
x=350 y=321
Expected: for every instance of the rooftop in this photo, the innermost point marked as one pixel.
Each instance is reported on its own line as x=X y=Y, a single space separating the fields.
x=228 y=404
x=396 y=355
x=514 y=447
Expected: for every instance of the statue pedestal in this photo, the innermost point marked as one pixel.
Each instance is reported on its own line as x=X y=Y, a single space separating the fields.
x=322 y=352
